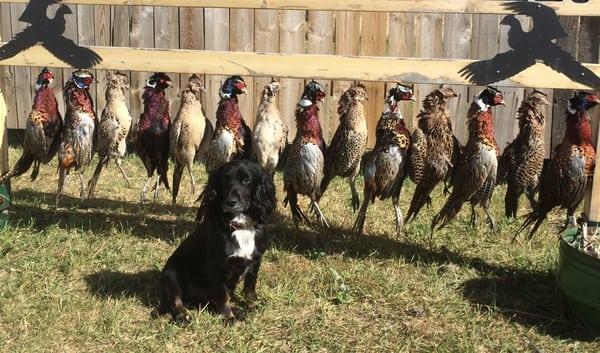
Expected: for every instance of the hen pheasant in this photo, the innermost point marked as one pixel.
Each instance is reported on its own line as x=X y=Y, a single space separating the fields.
x=384 y=167
x=433 y=151
x=520 y=165
x=349 y=141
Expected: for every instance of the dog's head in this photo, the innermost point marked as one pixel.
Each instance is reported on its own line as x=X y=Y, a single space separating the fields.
x=238 y=193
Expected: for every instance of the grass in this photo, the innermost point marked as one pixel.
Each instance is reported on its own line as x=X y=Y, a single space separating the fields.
x=85 y=279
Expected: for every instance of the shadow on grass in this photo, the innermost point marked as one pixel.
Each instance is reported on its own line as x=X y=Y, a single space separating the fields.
x=141 y=285
x=101 y=215
x=530 y=299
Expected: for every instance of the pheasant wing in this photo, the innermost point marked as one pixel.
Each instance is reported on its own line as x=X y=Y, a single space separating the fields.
x=72 y=54
x=417 y=156
x=564 y=62
x=498 y=68
x=21 y=41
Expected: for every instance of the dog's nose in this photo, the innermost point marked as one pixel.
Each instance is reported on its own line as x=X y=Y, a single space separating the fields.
x=232 y=204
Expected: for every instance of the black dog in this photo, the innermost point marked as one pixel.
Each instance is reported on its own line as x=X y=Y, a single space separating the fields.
x=226 y=247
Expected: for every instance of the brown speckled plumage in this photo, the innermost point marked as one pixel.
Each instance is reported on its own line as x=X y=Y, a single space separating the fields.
x=433 y=150
x=383 y=168
x=520 y=165
x=349 y=141
x=190 y=131
x=565 y=178
x=113 y=128
x=304 y=166
x=475 y=177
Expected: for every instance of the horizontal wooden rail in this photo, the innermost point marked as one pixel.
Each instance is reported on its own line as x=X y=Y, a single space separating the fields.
x=433 y=71
x=564 y=8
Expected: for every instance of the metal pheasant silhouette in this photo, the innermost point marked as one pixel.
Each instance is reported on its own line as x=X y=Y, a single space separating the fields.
x=48 y=32
x=527 y=48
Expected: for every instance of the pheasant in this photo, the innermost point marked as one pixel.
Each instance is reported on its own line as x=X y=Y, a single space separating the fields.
x=520 y=165
x=114 y=126
x=42 y=132
x=564 y=179
x=349 y=141
x=76 y=144
x=304 y=167
x=475 y=177
x=232 y=137
x=270 y=134
x=383 y=168
x=433 y=151
x=153 y=132
x=188 y=133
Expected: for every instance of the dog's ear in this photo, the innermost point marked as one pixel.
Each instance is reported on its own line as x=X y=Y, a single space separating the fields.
x=209 y=196
x=264 y=195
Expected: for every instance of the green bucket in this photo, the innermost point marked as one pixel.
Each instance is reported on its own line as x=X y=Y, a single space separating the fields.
x=578 y=278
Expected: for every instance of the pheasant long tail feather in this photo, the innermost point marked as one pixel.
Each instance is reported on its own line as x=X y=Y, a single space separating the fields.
x=420 y=198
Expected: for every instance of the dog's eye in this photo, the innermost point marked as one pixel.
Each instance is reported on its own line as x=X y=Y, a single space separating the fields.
x=246 y=181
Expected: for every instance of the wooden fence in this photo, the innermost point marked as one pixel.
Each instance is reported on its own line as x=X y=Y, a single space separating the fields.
x=395 y=34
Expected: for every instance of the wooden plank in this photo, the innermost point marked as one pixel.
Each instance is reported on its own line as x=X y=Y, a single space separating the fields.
x=86 y=35
x=141 y=34
x=241 y=38
x=327 y=67
x=101 y=37
x=401 y=43
x=561 y=97
x=266 y=40
x=191 y=36
x=372 y=42
x=22 y=75
x=3 y=110
x=292 y=26
x=119 y=37
x=320 y=41
x=166 y=36
x=7 y=72
x=457 y=45
x=565 y=8
x=216 y=37
x=347 y=42
x=428 y=44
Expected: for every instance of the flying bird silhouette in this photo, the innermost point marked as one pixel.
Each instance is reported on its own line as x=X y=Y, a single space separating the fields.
x=48 y=32
x=527 y=48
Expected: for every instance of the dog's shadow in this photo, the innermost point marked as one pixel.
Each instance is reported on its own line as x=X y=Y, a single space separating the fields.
x=142 y=286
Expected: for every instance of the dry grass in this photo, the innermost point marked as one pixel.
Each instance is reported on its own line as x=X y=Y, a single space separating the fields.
x=85 y=279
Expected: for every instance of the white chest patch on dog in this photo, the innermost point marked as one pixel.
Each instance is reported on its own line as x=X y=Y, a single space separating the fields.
x=242 y=242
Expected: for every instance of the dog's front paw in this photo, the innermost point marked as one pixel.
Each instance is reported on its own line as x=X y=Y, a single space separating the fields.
x=182 y=319
x=251 y=300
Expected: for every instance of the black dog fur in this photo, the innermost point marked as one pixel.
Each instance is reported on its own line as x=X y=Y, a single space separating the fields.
x=226 y=247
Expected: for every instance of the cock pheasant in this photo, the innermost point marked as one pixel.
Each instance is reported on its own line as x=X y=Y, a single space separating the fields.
x=475 y=177
x=270 y=134
x=76 y=144
x=433 y=151
x=42 y=132
x=565 y=177
x=384 y=167
x=520 y=165
x=188 y=133
x=153 y=132
x=232 y=137
x=304 y=166
x=113 y=128
x=349 y=141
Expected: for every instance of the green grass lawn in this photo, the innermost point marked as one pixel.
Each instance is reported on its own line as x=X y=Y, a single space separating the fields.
x=84 y=278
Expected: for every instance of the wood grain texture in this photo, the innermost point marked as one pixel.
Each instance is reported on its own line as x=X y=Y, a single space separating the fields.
x=241 y=38
x=372 y=42
x=119 y=37
x=292 y=27
x=216 y=37
x=22 y=75
x=8 y=73
x=101 y=37
x=191 y=36
x=166 y=35
x=565 y=8
x=320 y=38
x=140 y=35
x=401 y=43
x=328 y=67
x=266 y=40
